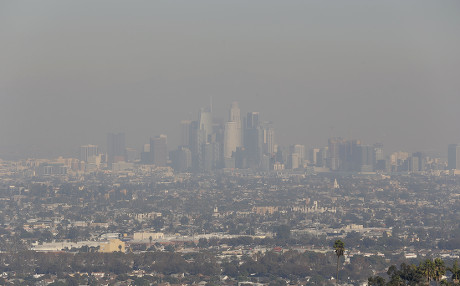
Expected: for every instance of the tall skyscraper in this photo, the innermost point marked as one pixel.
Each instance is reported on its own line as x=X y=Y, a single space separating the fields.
x=181 y=159
x=268 y=139
x=252 y=120
x=231 y=138
x=363 y=158
x=116 y=148
x=159 y=150
x=253 y=140
x=234 y=113
x=420 y=159
x=232 y=131
x=453 y=156
x=87 y=151
x=205 y=120
x=333 y=147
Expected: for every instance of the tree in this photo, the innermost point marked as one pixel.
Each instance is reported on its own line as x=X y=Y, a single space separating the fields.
x=439 y=269
x=427 y=268
x=184 y=220
x=339 y=248
x=406 y=275
x=283 y=232
x=376 y=281
x=455 y=270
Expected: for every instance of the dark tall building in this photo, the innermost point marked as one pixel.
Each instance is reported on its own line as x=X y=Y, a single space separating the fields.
x=159 y=150
x=363 y=158
x=253 y=140
x=336 y=151
x=116 y=148
x=197 y=139
x=181 y=159
x=252 y=120
x=453 y=156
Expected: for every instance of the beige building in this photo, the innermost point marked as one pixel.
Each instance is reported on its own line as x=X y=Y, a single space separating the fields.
x=146 y=235
x=112 y=245
x=264 y=210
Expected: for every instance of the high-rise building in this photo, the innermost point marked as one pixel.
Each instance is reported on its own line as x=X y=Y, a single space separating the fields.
x=453 y=156
x=363 y=158
x=116 y=148
x=299 y=149
x=131 y=154
x=313 y=156
x=181 y=159
x=235 y=114
x=421 y=161
x=333 y=147
x=232 y=131
x=379 y=158
x=252 y=120
x=253 y=140
x=87 y=151
x=159 y=150
x=293 y=161
x=268 y=139
x=146 y=156
x=231 y=138
x=205 y=121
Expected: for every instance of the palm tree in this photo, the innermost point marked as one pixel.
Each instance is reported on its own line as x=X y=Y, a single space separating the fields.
x=339 y=248
x=455 y=271
x=427 y=268
x=439 y=269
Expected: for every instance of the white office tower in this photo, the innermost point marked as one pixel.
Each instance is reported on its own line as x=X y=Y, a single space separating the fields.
x=88 y=151
x=232 y=135
x=205 y=120
x=300 y=149
x=234 y=114
x=269 y=140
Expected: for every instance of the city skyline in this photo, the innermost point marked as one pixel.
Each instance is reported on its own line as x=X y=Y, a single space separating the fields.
x=227 y=118
x=247 y=142
x=382 y=72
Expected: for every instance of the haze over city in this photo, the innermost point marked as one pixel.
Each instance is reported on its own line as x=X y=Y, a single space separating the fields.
x=71 y=72
x=228 y=143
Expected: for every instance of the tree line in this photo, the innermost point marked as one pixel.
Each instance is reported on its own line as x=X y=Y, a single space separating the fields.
x=426 y=272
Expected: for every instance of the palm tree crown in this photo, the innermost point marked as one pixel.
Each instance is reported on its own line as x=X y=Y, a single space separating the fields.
x=339 y=248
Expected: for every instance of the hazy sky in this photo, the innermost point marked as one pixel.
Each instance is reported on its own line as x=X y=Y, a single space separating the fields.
x=379 y=71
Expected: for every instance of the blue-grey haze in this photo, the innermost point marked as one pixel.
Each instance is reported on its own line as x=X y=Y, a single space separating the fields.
x=379 y=71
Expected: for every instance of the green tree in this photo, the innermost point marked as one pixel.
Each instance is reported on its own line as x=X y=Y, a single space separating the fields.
x=439 y=269
x=455 y=270
x=376 y=281
x=408 y=274
x=339 y=248
x=283 y=232
x=427 y=268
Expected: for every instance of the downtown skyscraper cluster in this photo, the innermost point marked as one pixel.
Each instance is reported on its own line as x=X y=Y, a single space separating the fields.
x=239 y=142
x=210 y=143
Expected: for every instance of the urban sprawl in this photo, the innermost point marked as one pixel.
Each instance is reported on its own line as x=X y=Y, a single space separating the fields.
x=230 y=207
